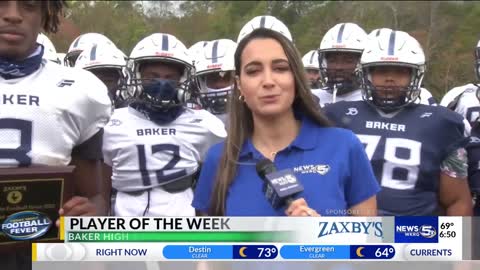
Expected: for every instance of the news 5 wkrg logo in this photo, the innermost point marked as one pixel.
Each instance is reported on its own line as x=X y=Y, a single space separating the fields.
x=416 y=229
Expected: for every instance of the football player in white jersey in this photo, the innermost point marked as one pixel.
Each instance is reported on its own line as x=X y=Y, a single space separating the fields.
x=51 y=115
x=215 y=71
x=465 y=100
x=154 y=147
x=312 y=68
x=110 y=66
x=84 y=42
x=338 y=56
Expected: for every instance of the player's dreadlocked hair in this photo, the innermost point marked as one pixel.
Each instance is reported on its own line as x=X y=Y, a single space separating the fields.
x=51 y=11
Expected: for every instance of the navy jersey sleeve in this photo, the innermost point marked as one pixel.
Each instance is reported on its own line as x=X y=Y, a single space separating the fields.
x=453 y=131
x=362 y=183
x=206 y=180
x=335 y=112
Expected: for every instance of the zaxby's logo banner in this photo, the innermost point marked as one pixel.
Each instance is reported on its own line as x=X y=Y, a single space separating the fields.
x=368 y=228
x=416 y=229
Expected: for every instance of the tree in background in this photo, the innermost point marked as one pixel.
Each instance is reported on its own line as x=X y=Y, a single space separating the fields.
x=448 y=30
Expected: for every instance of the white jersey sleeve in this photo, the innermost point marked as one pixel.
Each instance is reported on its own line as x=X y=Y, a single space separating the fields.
x=426 y=98
x=466 y=102
x=326 y=97
x=454 y=93
x=214 y=131
x=145 y=155
x=46 y=114
x=469 y=105
x=89 y=109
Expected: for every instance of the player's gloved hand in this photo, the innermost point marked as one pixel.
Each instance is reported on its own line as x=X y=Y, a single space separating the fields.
x=77 y=206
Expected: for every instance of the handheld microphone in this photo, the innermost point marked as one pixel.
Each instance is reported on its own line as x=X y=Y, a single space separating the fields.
x=279 y=187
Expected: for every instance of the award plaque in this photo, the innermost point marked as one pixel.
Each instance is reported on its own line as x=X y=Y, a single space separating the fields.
x=30 y=198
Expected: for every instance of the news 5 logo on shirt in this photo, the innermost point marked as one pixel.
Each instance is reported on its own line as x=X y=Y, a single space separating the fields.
x=416 y=229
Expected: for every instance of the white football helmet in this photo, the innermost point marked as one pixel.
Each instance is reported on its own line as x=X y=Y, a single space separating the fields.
x=49 y=51
x=84 y=42
x=195 y=50
x=167 y=48
x=216 y=59
x=343 y=37
x=265 y=21
x=376 y=32
x=312 y=67
x=477 y=60
x=105 y=57
x=310 y=60
x=101 y=55
x=392 y=48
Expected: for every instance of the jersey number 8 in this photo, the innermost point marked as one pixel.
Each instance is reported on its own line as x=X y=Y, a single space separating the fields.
x=10 y=128
x=400 y=170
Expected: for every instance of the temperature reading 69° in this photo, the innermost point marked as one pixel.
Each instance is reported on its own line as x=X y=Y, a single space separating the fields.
x=446 y=225
x=447 y=230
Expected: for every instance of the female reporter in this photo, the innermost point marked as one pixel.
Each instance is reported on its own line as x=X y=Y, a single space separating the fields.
x=273 y=115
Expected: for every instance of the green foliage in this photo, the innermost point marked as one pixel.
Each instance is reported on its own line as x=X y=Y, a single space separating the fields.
x=448 y=30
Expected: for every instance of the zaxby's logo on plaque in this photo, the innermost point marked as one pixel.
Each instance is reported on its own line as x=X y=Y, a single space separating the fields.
x=26 y=225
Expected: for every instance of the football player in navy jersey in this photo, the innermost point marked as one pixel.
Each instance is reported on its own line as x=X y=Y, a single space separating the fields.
x=154 y=147
x=417 y=151
x=51 y=115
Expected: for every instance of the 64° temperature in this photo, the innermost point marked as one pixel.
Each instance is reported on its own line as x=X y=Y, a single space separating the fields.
x=385 y=252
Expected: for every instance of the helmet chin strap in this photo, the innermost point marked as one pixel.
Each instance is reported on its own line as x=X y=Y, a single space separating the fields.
x=334 y=98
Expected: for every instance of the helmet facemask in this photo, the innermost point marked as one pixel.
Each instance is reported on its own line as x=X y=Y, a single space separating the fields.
x=161 y=100
x=339 y=78
x=71 y=58
x=215 y=88
x=391 y=97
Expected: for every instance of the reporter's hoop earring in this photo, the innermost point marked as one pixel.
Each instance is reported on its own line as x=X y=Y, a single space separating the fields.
x=241 y=98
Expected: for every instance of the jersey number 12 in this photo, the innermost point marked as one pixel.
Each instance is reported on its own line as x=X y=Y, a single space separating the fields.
x=161 y=176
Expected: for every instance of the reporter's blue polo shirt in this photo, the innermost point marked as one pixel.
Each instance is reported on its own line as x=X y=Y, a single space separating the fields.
x=330 y=163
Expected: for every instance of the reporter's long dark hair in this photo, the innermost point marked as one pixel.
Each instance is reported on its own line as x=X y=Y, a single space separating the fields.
x=240 y=116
